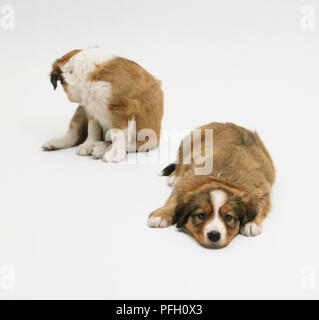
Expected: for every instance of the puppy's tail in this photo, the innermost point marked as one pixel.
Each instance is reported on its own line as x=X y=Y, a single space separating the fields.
x=169 y=170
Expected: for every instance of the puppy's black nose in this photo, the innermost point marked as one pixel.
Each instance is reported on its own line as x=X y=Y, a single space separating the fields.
x=213 y=236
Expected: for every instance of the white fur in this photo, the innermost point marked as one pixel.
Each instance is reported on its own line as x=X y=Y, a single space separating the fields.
x=67 y=141
x=94 y=135
x=218 y=199
x=92 y=95
x=131 y=135
x=123 y=141
x=96 y=104
x=85 y=148
x=118 y=149
x=251 y=229
x=171 y=180
x=99 y=149
x=114 y=154
x=157 y=222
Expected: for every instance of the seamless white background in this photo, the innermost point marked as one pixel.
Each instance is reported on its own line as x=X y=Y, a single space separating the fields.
x=72 y=227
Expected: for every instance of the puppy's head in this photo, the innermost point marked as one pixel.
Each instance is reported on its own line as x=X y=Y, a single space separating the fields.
x=59 y=74
x=213 y=217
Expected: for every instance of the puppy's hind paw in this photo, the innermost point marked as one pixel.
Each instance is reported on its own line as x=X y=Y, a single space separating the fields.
x=67 y=141
x=48 y=146
x=251 y=229
x=59 y=143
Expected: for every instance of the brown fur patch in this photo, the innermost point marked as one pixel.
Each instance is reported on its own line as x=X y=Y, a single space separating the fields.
x=56 y=73
x=135 y=94
x=78 y=125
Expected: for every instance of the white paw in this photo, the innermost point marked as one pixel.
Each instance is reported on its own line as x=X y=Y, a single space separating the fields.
x=53 y=144
x=49 y=145
x=99 y=149
x=157 y=222
x=85 y=149
x=251 y=229
x=114 y=154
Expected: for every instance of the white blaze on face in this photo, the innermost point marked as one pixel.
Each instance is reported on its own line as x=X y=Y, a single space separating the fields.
x=218 y=199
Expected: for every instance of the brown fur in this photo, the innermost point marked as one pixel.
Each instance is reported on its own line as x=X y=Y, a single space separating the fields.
x=79 y=124
x=187 y=216
x=242 y=168
x=56 y=73
x=135 y=94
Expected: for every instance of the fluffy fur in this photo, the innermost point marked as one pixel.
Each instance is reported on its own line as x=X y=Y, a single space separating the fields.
x=112 y=92
x=234 y=196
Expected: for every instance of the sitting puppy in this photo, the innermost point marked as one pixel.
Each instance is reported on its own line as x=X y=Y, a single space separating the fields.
x=232 y=198
x=114 y=94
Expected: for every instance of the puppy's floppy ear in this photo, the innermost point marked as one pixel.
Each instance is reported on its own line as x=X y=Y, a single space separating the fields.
x=181 y=215
x=54 y=79
x=56 y=74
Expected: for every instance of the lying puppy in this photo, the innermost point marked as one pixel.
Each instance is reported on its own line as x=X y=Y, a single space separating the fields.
x=114 y=95
x=232 y=198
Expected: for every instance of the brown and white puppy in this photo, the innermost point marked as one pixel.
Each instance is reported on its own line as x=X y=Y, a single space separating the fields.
x=114 y=94
x=234 y=197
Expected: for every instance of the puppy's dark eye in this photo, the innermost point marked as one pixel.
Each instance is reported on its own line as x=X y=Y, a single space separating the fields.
x=228 y=217
x=201 y=216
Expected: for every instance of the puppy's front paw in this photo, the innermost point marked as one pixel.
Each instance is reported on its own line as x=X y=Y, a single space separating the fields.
x=114 y=154
x=99 y=149
x=85 y=149
x=251 y=229
x=160 y=218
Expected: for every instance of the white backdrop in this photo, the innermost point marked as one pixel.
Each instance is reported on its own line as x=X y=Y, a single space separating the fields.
x=72 y=227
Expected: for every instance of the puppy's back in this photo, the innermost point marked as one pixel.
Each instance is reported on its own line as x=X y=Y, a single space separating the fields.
x=239 y=156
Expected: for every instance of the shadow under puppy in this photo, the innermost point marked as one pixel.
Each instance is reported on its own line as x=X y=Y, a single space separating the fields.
x=115 y=95
x=233 y=197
